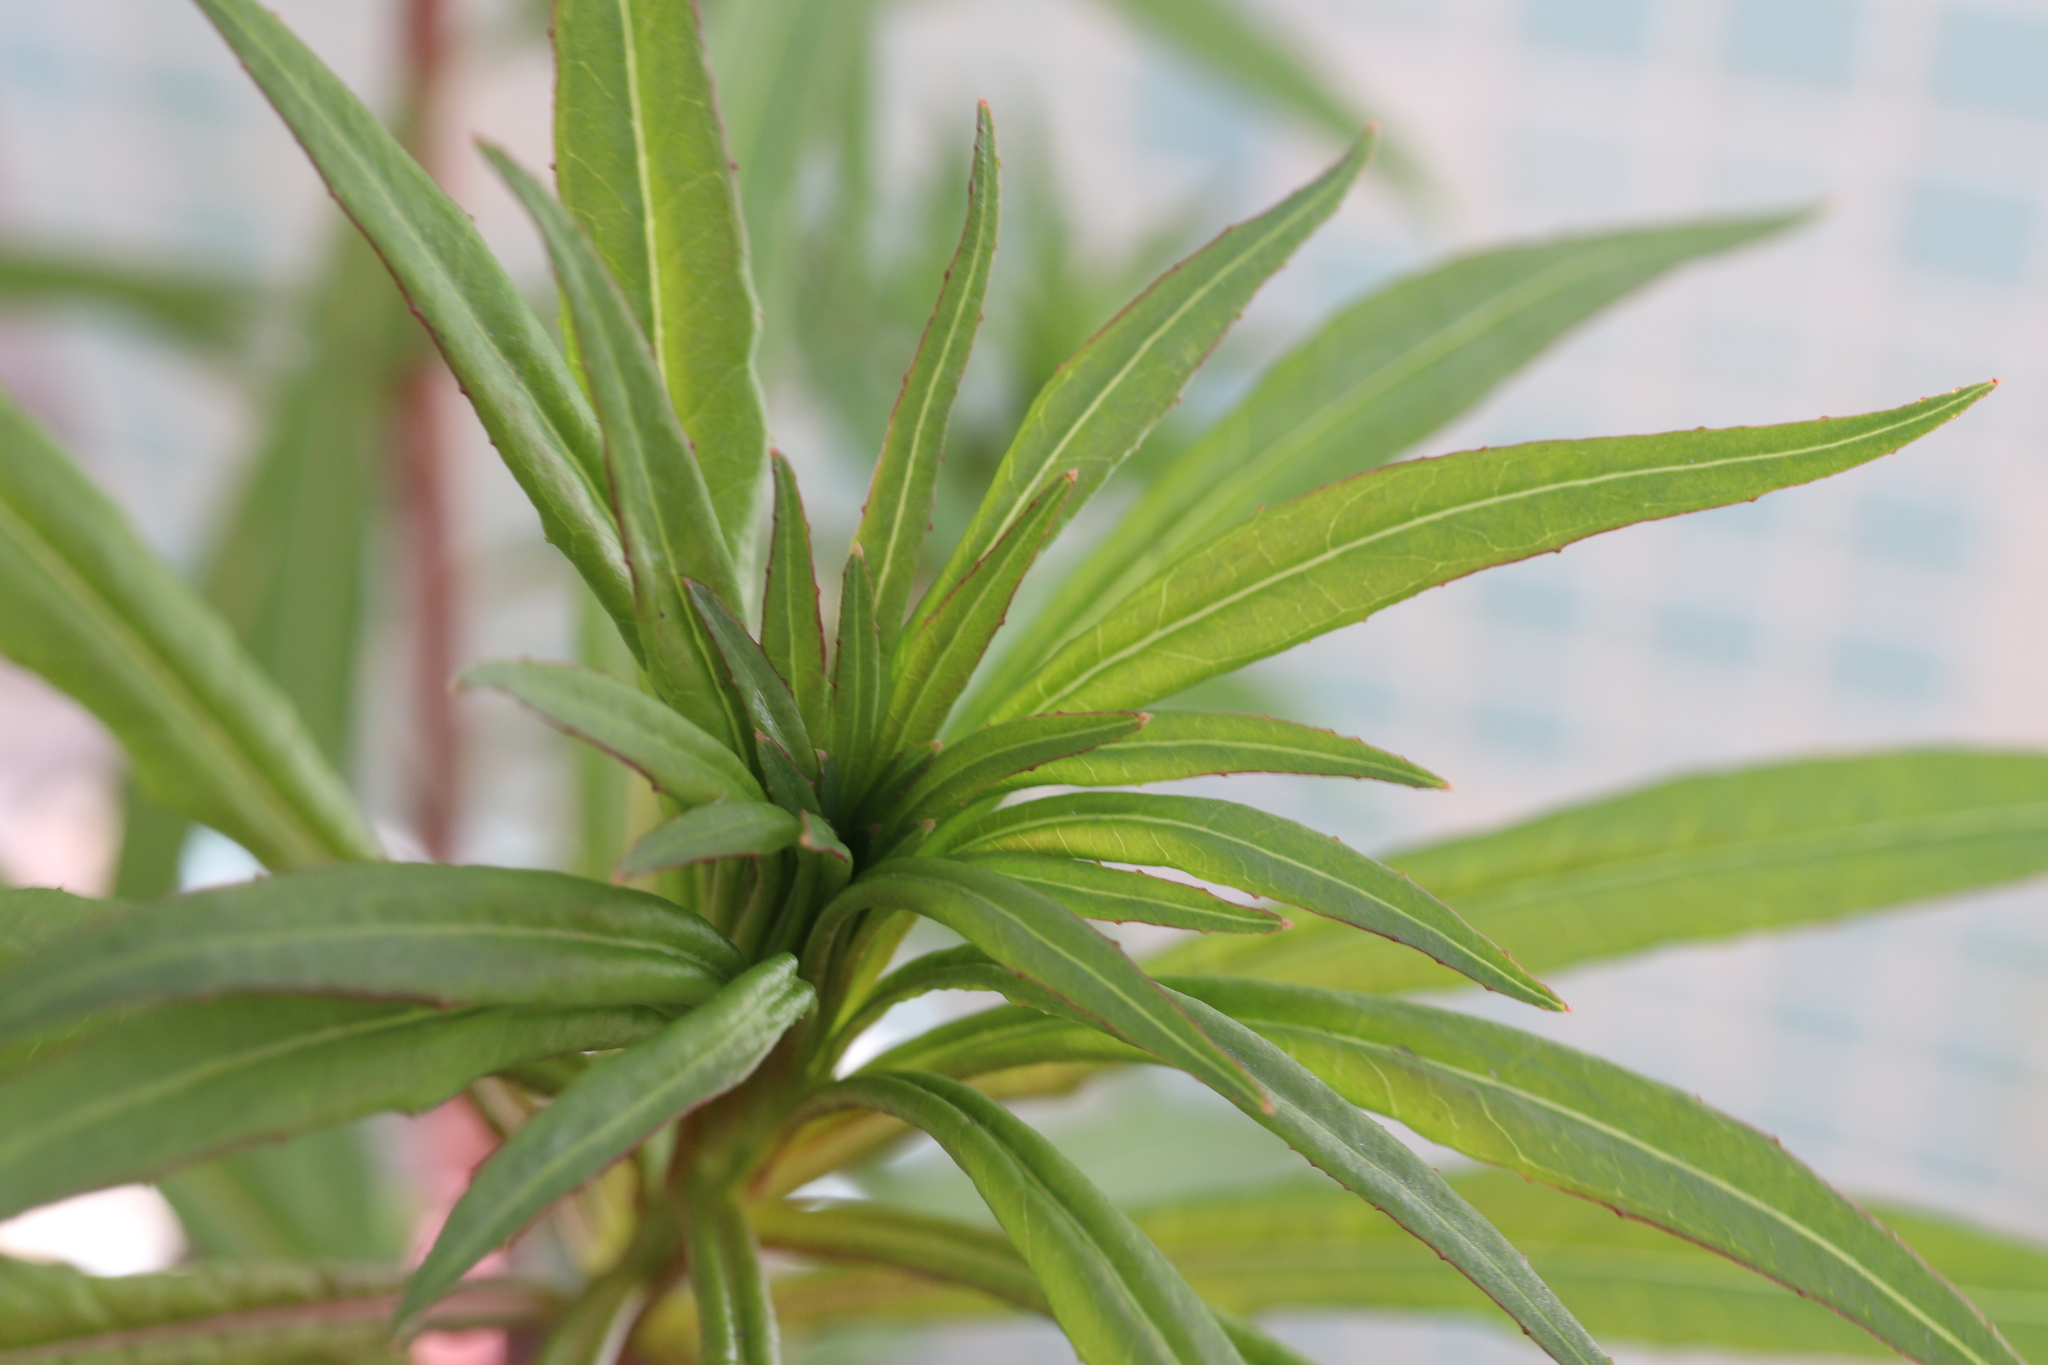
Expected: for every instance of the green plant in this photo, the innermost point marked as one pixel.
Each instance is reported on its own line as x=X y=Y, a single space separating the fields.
x=665 y=1057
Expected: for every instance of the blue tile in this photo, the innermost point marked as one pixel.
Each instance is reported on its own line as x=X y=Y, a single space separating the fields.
x=1892 y=672
x=1613 y=28
x=1926 y=534
x=1802 y=40
x=1704 y=635
x=1962 y=230
x=1987 y=59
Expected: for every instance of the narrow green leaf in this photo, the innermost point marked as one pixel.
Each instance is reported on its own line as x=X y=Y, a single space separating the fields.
x=1004 y=1038
x=171 y=1085
x=1337 y=555
x=326 y=1197
x=723 y=829
x=1101 y=403
x=899 y=506
x=1006 y=756
x=1118 y=1300
x=1178 y=744
x=229 y=1314
x=769 y=703
x=937 y=1248
x=666 y=520
x=792 y=632
x=860 y=688
x=1044 y=942
x=1255 y=1346
x=1093 y=891
x=196 y=307
x=641 y=161
x=1233 y=845
x=681 y=760
x=1642 y=1148
x=449 y=935
x=965 y=968
x=736 y=1320
x=936 y=658
x=86 y=605
x=33 y=916
x=1699 y=858
x=606 y=1111
x=1385 y=373
x=1304 y=1245
x=508 y=365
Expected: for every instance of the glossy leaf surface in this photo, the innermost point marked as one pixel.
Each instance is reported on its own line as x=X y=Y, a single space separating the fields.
x=723 y=829
x=1233 y=845
x=1341 y=553
x=607 y=1110
x=860 y=683
x=1178 y=744
x=792 y=633
x=771 y=707
x=174 y=1084
x=84 y=603
x=641 y=161
x=1001 y=757
x=449 y=935
x=1093 y=891
x=1699 y=858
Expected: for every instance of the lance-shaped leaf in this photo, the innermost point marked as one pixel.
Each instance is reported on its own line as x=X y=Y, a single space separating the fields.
x=171 y=1085
x=770 y=706
x=1117 y=1299
x=860 y=686
x=1101 y=403
x=723 y=829
x=899 y=506
x=1383 y=374
x=507 y=363
x=641 y=161
x=230 y=1314
x=1002 y=757
x=199 y=308
x=938 y=653
x=1699 y=858
x=965 y=968
x=1304 y=1245
x=449 y=935
x=666 y=520
x=680 y=759
x=1178 y=744
x=735 y=1318
x=1233 y=845
x=792 y=633
x=1044 y=942
x=608 y=1109
x=1642 y=1148
x=1337 y=555
x=937 y=1248
x=1093 y=891
x=84 y=603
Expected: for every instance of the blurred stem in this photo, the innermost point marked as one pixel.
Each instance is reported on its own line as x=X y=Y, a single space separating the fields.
x=422 y=477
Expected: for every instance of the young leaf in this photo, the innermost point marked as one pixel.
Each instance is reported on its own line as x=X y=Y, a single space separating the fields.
x=1178 y=744
x=1698 y=858
x=1113 y=1294
x=736 y=1320
x=1642 y=1148
x=769 y=703
x=1233 y=845
x=723 y=829
x=609 y=1109
x=1101 y=403
x=1042 y=941
x=1093 y=891
x=860 y=690
x=937 y=655
x=641 y=161
x=171 y=1085
x=1003 y=757
x=899 y=506
x=507 y=364
x=229 y=1314
x=666 y=519
x=1382 y=375
x=792 y=633
x=1336 y=556
x=468 y=935
x=682 y=761
x=85 y=604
